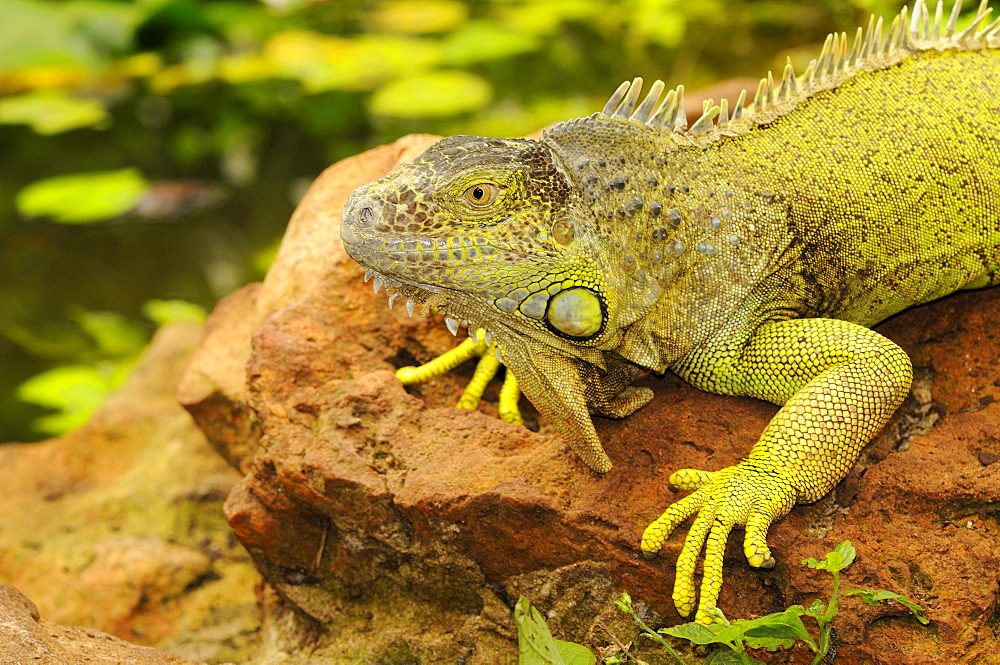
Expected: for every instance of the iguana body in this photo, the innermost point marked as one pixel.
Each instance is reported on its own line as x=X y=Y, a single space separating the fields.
x=748 y=255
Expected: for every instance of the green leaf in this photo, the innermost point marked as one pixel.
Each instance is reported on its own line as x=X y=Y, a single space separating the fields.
x=113 y=334
x=716 y=615
x=730 y=657
x=322 y=62
x=544 y=17
x=419 y=16
x=441 y=93
x=841 y=557
x=76 y=35
x=83 y=197
x=479 y=41
x=75 y=391
x=575 y=654
x=780 y=629
x=660 y=22
x=51 y=112
x=534 y=641
x=817 y=608
x=695 y=632
x=875 y=596
x=847 y=553
x=55 y=340
x=167 y=311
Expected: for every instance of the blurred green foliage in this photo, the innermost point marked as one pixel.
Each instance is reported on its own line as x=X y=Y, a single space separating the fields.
x=154 y=149
x=83 y=197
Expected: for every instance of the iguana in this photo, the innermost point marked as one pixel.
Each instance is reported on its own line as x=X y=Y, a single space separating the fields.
x=748 y=252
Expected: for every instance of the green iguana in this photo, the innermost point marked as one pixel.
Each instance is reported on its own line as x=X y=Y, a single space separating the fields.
x=748 y=253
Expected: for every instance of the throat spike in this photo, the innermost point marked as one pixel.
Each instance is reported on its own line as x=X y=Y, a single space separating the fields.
x=723 y=113
x=935 y=31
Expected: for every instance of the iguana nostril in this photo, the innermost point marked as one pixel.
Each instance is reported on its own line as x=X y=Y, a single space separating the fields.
x=366 y=215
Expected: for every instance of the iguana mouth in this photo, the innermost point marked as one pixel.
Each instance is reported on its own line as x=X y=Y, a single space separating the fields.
x=403 y=266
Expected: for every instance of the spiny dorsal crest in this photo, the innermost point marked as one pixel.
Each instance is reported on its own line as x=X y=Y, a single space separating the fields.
x=835 y=64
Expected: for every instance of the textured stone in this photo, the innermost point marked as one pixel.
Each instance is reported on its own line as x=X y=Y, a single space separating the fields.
x=118 y=525
x=406 y=528
x=25 y=637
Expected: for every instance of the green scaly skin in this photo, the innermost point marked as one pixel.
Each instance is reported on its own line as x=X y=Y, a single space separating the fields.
x=749 y=255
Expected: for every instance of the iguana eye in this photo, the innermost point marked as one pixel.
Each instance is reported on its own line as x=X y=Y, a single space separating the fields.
x=482 y=195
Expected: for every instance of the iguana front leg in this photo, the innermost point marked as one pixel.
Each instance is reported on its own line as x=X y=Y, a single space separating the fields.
x=486 y=368
x=565 y=390
x=839 y=384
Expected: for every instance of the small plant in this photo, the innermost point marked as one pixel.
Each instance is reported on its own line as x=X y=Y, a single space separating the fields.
x=778 y=630
x=771 y=632
x=535 y=643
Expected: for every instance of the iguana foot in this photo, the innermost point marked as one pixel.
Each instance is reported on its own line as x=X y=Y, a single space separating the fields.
x=486 y=369
x=744 y=495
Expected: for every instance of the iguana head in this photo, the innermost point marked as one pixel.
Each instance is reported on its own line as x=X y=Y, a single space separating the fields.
x=488 y=231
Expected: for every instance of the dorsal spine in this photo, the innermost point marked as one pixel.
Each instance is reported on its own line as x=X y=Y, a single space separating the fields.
x=908 y=33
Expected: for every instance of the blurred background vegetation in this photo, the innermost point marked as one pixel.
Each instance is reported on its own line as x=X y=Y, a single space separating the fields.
x=151 y=151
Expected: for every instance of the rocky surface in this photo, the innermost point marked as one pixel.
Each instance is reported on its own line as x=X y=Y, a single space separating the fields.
x=403 y=529
x=118 y=527
x=25 y=637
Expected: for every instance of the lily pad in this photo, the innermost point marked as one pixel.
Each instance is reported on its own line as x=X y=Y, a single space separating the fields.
x=479 y=41
x=434 y=94
x=419 y=17
x=51 y=112
x=84 y=197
